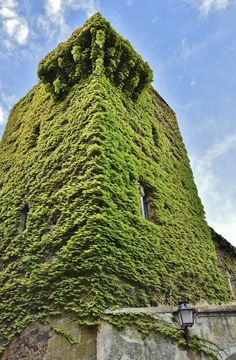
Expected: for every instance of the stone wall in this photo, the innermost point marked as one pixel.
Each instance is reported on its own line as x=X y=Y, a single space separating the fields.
x=216 y=326
x=63 y=339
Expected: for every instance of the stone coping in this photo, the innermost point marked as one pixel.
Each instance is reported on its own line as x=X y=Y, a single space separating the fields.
x=143 y=310
x=211 y=309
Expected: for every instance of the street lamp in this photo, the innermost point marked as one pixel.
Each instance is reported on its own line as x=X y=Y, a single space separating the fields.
x=186 y=315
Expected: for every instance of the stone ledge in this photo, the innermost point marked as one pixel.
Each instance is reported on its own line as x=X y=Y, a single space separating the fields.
x=143 y=310
x=209 y=310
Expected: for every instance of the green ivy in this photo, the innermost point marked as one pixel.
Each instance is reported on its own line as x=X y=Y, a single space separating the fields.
x=95 y=48
x=78 y=163
x=226 y=253
x=69 y=337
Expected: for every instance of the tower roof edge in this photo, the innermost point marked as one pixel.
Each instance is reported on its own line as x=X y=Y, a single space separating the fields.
x=95 y=48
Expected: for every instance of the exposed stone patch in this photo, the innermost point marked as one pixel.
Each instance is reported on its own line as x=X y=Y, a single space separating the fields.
x=32 y=344
x=63 y=339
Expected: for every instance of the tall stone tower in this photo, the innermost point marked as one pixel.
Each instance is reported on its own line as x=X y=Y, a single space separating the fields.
x=98 y=206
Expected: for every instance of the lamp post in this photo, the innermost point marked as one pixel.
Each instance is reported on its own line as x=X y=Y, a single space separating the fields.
x=186 y=315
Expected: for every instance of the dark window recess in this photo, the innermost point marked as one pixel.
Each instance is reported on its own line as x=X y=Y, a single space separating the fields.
x=23 y=219
x=155 y=136
x=144 y=199
x=34 y=136
x=37 y=130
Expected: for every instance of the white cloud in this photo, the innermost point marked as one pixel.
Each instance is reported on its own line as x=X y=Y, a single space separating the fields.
x=218 y=198
x=2 y=116
x=226 y=226
x=14 y=26
x=213 y=5
x=207 y=6
x=9 y=3
x=53 y=7
x=8 y=100
x=17 y=29
x=6 y=103
x=187 y=50
x=56 y=9
x=89 y=6
x=7 y=13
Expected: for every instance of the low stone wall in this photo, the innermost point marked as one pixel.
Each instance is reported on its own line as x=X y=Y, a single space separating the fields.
x=216 y=326
x=63 y=339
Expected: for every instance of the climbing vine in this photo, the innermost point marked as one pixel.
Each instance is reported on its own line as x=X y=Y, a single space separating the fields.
x=95 y=48
x=78 y=162
x=148 y=323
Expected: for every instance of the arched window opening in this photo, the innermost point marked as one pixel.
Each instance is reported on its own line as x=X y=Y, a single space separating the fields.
x=144 y=200
x=23 y=219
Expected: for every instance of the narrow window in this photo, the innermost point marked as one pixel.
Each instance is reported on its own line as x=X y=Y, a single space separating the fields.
x=23 y=219
x=37 y=130
x=144 y=203
x=155 y=136
x=34 y=136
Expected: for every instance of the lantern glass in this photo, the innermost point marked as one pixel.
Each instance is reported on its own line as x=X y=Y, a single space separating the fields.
x=186 y=314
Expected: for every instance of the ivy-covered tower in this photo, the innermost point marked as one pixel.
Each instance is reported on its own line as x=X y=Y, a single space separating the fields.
x=98 y=206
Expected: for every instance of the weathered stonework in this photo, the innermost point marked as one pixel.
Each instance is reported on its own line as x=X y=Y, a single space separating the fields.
x=82 y=344
x=63 y=339
x=129 y=345
x=31 y=344
x=216 y=326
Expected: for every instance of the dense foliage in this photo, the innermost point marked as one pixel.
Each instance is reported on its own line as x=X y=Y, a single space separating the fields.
x=227 y=259
x=77 y=163
x=95 y=48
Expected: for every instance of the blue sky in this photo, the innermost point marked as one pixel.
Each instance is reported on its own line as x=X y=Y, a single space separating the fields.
x=190 y=45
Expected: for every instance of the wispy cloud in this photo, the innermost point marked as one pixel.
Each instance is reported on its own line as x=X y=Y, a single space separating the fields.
x=56 y=11
x=207 y=6
x=20 y=28
x=219 y=200
x=6 y=103
x=187 y=49
x=14 y=26
x=2 y=116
